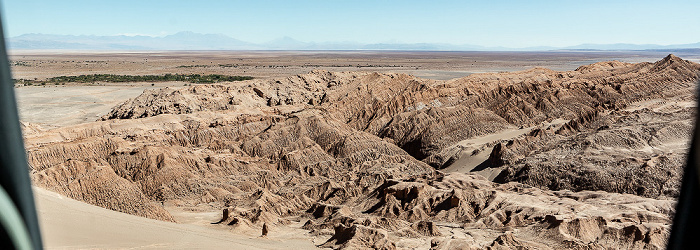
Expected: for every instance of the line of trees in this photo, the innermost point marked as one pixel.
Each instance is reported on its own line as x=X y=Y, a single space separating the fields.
x=193 y=78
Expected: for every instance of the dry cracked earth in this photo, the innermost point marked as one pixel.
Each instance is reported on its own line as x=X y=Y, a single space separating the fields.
x=534 y=159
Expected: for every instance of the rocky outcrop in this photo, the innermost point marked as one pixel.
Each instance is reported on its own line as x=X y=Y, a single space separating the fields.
x=562 y=219
x=639 y=151
x=232 y=159
x=359 y=237
x=425 y=117
x=355 y=156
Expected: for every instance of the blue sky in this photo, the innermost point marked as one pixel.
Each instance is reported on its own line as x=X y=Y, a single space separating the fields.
x=487 y=23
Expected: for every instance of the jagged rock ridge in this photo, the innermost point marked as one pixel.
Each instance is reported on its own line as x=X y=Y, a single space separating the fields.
x=356 y=154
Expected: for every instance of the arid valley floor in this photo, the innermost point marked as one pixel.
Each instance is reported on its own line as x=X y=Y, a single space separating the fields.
x=359 y=149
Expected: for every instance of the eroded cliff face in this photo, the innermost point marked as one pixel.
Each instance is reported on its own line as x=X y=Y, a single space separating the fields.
x=359 y=155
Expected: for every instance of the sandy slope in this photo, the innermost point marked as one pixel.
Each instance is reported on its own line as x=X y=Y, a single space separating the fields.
x=57 y=106
x=70 y=224
x=475 y=151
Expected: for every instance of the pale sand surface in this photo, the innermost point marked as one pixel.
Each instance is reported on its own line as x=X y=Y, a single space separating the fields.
x=70 y=224
x=469 y=162
x=57 y=106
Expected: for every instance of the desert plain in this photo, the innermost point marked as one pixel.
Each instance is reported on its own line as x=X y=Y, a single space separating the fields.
x=359 y=149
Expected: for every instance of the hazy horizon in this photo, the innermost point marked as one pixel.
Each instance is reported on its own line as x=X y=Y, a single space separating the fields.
x=509 y=24
x=188 y=40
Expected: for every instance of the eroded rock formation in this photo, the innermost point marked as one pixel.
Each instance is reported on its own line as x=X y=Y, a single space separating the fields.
x=358 y=156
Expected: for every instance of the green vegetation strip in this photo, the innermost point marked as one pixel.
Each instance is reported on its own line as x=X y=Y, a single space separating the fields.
x=193 y=78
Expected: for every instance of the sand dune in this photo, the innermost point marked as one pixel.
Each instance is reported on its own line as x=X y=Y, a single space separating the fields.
x=70 y=224
x=57 y=106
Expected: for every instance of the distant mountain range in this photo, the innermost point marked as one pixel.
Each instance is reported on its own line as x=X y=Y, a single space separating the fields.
x=196 y=41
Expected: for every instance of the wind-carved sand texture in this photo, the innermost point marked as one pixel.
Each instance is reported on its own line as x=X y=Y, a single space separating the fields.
x=589 y=158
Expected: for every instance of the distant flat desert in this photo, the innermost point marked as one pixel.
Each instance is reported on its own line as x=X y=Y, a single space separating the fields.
x=55 y=106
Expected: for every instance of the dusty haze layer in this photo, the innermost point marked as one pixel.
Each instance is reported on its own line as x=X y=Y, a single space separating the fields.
x=587 y=158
